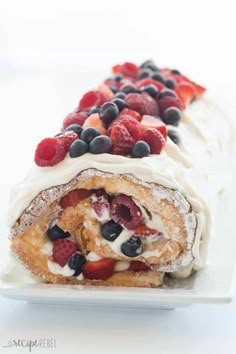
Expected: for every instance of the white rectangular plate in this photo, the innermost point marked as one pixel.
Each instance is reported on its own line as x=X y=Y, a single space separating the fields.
x=214 y=284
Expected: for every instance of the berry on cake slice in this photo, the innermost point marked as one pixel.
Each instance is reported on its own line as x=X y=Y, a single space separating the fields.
x=155 y=140
x=152 y=122
x=74 y=118
x=143 y=103
x=125 y=212
x=74 y=197
x=95 y=122
x=169 y=101
x=63 y=249
x=99 y=270
x=49 y=152
x=67 y=138
x=186 y=92
x=131 y=113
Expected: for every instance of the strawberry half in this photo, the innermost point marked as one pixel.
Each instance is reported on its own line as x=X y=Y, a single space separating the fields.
x=186 y=92
x=100 y=270
x=143 y=231
x=137 y=266
x=151 y=122
x=74 y=197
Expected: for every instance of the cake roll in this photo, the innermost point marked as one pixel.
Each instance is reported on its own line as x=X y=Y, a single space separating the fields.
x=126 y=191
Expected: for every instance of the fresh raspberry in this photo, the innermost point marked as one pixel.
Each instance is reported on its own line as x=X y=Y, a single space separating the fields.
x=169 y=101
x=74 y=197
x=129 y=69
x=120 y=150
x=152 y=122
x=143 y=231
x=132 y=125
x=120 y=136
x=137 y=266
x=74 y=118
x=131 y=113
x=63 y=249
x=99 y=270
x=49 y=152
x=126 y=212
x=154 y=139
x=142 y=103
x=92 y=98
x=67 y=138
x=147 y=81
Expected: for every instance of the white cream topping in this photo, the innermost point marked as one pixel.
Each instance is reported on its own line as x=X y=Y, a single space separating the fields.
x=120 y=266
x=195 y=169
x=55 y=268
x=93 y=257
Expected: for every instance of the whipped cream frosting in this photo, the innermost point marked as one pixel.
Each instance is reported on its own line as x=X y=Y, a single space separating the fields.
x=195 y=168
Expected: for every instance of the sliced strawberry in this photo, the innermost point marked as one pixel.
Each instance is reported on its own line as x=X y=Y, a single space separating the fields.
x=100 y=270
x=74 y=197
x=129 y=69
x=116 y=69
x=137 y=266
x=95 y=121
x=109 y=95
x=151 y=122
x=143 y=231
x=131 y=113
x=186 y=92
x=200 y=89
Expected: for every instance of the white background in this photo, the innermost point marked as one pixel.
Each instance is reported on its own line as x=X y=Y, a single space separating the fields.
x=52 y=51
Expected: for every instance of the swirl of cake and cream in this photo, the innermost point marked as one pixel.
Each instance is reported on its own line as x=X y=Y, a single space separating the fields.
x=193 y=168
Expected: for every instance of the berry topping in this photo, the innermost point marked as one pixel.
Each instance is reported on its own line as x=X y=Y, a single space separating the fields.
x=172 y=116
x=167 y=92
x=109 y=111
x=132 y=247
x=126 y=212
x=120 y=103
x=154 y=139
x=158 y=77
x=54 y=233
x=140 y=149
x=167 y=102
x=129 y=69
x=131 y=113
x=75 y=128
x=95 y=109
x=144 y=73
x=74 y=197
x=120 y=94
x=49 y=152
x=76 y=262
x=151 y=122
x=142 y=103
x=121 y=139
x=150 y=89
x=111 y=230
x=149 y=81
x=78 y=148
x=67 y=138
x=174 y=136
x=170 y=83
x=74 y=118
x=143 y=231
x=92 y=98
x=106 y=92
x=63 y=249
x=95 y=122
x=132 y=125
x=137 y=266
x=101 y=144
x=186 y=92
x=120 y=150
x=129 y=88
x=118 y=77
x=88 y=134
x=99 y=270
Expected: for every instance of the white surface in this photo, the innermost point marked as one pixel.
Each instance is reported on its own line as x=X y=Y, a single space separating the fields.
x=37 y=45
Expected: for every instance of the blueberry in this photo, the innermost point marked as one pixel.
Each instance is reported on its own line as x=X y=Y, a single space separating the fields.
x=120 y=103
x=76 y=262
x=158 y=77
x=129 y=88
x=144 y=73
x=132 y=247
x=174 y=136
x=167 y=92
x=109 y=112
x=54 y=233
x=172 y=116
x=75 y=128
x=175 y=72
x=101 y=144
x=88 y=134
x=150 y=89
x=140 y=149
x=118 y=77
x=170 y=83
x=113 y=89
x=149 y=64
x=94 y=109
x=111 y=230
x=78 y=148
x=120 y=95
